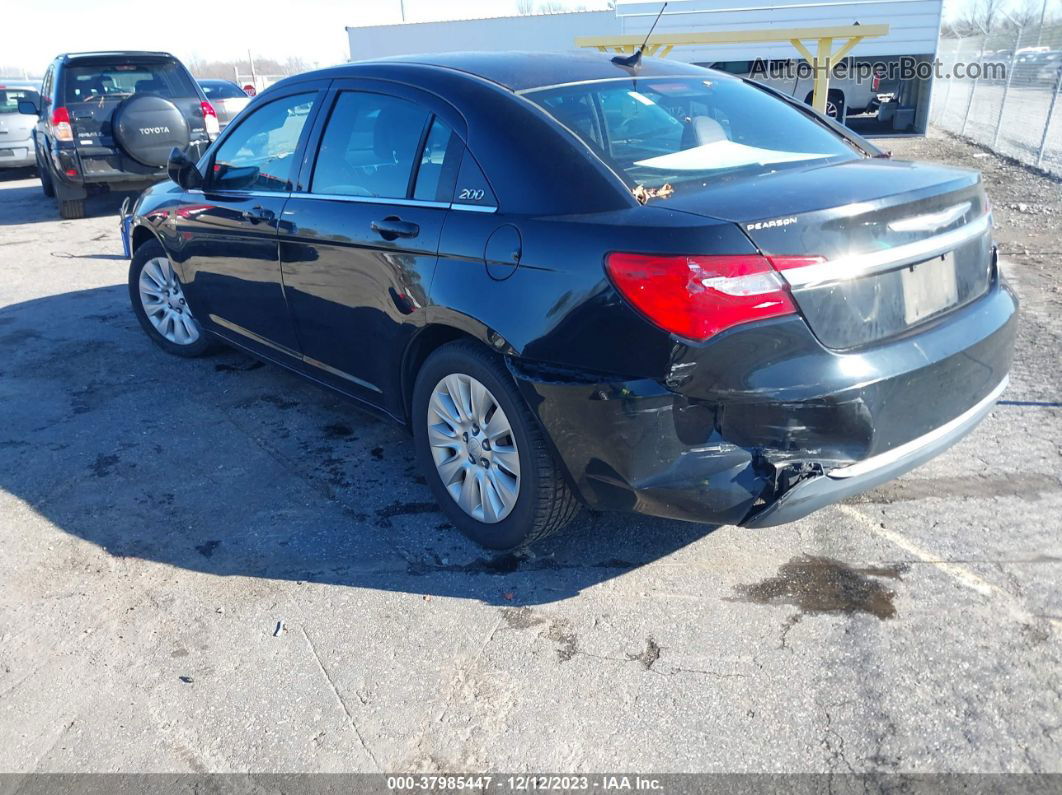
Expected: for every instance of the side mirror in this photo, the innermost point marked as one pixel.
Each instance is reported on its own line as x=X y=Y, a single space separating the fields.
x=182 y=170
x=27 y=107
x=236 y=178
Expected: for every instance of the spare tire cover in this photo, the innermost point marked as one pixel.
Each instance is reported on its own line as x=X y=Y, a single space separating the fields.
x=147 y=127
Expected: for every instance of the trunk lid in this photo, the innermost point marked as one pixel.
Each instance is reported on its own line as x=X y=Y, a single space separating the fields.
x=898 y=243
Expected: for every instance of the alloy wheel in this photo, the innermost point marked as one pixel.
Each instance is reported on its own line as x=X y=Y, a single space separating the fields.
x=164 y=304
x=474 y=449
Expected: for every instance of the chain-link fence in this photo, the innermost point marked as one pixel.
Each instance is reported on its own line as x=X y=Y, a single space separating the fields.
x=1004 y=90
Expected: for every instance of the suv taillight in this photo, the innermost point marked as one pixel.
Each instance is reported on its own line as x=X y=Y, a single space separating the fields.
x=875 y=83
x=210 y=119
x=61 y=128
x=698 y=296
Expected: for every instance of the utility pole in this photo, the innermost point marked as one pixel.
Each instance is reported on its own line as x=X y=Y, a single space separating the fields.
x=1043 y=16
x=402 y=8
x=254 y=77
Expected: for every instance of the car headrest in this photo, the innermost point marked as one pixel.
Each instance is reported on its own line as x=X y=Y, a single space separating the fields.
x=707 y=130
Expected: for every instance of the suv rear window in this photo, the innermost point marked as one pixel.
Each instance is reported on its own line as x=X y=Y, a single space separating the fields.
x=86 y=82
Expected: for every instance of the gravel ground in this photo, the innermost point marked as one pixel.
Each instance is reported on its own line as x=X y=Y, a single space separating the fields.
x=211 y=565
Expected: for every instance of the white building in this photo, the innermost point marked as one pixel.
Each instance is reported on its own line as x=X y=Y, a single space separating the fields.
x=914 y=27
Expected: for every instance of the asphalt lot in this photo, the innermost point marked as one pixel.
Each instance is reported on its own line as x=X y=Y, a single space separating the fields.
x=211 y=565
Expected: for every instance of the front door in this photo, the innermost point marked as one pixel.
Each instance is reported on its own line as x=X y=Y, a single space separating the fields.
x=360 y=242
x=229 y=256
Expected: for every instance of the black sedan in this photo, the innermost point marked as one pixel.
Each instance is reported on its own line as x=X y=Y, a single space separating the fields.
x=652 y=288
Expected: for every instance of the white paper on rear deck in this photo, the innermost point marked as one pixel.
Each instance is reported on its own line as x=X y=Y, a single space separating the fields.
x=722 y=154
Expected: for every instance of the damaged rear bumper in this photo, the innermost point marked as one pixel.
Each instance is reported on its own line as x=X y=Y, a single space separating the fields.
x=814 y=493
x=766 y=426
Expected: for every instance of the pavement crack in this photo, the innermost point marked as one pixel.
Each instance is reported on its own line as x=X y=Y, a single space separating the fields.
x=339 y=698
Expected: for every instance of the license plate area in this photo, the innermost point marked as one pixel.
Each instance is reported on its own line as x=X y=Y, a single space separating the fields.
x=7 y=152
x=929 y=287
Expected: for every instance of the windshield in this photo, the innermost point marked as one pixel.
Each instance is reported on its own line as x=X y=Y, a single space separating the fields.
x=221 y=89
x=10 y=96
x=668 y=131
x=86 y=82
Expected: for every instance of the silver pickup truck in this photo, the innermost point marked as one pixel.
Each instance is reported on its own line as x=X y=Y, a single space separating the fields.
x=853 y=85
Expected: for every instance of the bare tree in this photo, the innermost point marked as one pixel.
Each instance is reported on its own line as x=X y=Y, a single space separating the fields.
x=979 y=16
x=264 y=66
x=525 y=7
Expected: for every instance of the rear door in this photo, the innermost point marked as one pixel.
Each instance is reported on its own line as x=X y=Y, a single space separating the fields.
x=359 y=238
x=229 y=251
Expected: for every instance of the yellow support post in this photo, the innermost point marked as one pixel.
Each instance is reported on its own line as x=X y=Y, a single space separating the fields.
x=822 y=66
x=822 y=61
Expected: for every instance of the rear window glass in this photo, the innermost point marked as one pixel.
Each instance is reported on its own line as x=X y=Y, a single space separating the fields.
x=9 y=98
x=668 y=131
x=222 y=90
x=86 y=82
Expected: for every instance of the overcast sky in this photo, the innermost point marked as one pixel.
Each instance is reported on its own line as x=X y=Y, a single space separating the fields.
x=224 y=29
x=215 y=29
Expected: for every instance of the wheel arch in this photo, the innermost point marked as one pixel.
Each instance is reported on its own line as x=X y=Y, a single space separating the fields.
x=422 y=345
x=142 y=234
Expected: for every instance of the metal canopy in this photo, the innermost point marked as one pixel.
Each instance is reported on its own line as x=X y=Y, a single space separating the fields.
x=822 y=60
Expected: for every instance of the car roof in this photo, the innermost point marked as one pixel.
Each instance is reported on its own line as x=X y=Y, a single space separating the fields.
x=519 y=71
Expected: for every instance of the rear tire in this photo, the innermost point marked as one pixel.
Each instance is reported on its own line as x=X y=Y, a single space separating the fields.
x=544 y=503
x=71 y=208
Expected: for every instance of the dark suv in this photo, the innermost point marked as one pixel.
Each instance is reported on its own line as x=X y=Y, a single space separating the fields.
x=108 y=120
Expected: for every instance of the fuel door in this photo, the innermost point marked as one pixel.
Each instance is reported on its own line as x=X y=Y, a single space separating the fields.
x=502 y=252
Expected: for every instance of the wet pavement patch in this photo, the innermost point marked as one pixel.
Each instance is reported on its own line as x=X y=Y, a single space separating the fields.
x=103 y=465
x=226 y=367
x=824 y=585
x=649 y=655
x=338 y=430
x=385 y=514
x=207 y=549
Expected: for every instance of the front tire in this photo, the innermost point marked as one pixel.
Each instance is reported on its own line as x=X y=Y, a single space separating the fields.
x=483 y=453
x=158 y=300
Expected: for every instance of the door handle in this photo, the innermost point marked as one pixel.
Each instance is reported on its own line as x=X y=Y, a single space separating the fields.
x=258 y=215
x=392 y=227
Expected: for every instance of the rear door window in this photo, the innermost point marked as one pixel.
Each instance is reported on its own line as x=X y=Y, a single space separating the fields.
x=96 y=81
x=439 y=160
x=370 y=147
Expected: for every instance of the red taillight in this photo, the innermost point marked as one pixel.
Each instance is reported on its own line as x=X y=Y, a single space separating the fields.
x=875 y=83
x=61 y=128
x=696 y=297
x=210 y=118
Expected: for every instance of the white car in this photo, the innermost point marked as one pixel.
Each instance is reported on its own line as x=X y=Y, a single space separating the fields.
x=227 y=98
x=853 y=86
x=16 y=129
